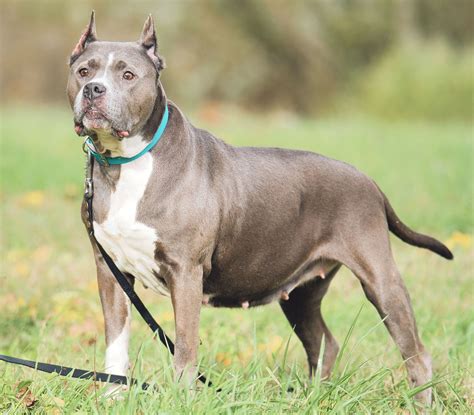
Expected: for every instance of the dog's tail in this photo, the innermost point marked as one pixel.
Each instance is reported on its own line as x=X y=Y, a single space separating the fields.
x=396 y=226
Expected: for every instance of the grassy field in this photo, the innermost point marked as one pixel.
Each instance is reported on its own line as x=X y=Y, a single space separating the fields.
x=51 y=311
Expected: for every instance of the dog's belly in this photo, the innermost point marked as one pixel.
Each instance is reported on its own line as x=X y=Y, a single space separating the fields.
x=222 y=296
x=131 y=244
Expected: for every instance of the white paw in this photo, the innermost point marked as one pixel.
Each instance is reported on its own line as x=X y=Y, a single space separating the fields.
x=115 y=392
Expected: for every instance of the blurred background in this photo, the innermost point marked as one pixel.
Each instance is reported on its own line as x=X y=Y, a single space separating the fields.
x=310 y=57
x=386 y=85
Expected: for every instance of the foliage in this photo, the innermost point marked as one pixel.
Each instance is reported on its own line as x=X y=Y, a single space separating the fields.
x=437 y=84
x=300 y=56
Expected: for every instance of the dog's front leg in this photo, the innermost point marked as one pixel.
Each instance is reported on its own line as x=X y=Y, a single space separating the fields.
x=116 y=309
x=186 y=295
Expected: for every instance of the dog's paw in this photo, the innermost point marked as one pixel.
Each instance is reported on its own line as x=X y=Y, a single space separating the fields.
x=115 y=392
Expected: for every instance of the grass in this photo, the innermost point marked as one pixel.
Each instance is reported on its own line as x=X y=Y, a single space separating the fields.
x=51 y=311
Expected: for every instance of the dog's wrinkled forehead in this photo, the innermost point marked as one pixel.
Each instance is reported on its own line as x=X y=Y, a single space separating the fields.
x=105 y=58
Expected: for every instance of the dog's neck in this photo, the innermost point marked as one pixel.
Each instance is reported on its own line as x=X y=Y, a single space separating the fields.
x=130 y=146
x=127 y=147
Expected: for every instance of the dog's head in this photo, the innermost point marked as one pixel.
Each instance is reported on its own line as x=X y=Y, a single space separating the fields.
x=113 y=86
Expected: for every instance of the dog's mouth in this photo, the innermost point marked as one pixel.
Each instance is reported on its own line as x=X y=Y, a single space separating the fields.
x=94 y=114
x=92 y=120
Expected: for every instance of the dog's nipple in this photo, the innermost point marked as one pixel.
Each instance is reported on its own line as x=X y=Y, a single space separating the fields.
x=322 y=275
x=284 y=295
x=245 y=304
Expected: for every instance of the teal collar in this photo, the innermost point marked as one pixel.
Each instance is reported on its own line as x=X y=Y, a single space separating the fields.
x=106 y=161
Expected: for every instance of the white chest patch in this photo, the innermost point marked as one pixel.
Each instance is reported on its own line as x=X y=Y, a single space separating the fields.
x=131 y=244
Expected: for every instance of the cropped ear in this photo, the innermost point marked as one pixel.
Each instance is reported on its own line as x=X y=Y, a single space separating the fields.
x=148 y=41
x=88 y=36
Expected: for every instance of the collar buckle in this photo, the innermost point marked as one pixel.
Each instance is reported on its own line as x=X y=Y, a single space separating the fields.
x=102 y=159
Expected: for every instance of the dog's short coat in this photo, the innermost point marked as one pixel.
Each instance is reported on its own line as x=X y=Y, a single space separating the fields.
x=211 y=224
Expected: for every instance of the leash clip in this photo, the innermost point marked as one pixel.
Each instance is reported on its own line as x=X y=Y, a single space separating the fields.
x=88 y=188
x=88 y=183
x=88 y=147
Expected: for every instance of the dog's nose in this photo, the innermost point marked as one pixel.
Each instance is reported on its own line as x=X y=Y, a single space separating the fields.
x=94 y=90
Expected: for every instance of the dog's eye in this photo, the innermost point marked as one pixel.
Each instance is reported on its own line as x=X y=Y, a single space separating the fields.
x=128 y=76
x=83 y=72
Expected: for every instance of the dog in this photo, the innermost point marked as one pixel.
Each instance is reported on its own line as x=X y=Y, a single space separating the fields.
x=209 y=224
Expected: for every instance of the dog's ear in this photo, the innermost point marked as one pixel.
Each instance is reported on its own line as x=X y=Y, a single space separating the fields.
x=148 y=41
x=88 y=36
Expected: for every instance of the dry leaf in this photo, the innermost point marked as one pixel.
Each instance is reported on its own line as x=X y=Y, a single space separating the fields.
x=463 y=240
x=26 y=396
x=42 y=253
x=166 y=316
x=91 y=341
x=34 y=199
x=21 y=269
x=224 y=358
x=271 y=346
x=58 y=401
x=71 y=191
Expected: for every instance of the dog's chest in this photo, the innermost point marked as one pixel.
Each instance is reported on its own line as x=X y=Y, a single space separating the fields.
x=130 y=243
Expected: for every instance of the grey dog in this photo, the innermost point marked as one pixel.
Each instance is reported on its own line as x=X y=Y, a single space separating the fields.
x=210 y=224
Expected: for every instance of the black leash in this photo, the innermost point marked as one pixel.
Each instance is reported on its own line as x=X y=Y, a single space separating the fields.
x=128 y=290
x=72 y=372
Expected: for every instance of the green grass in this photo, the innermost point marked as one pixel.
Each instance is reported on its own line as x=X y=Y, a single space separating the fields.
x=51 y=311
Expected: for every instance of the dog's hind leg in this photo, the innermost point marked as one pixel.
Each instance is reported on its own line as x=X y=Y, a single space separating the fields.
x=372 y=262
x=303 y=311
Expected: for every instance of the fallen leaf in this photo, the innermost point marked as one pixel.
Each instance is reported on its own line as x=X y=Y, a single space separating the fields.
x=93 y=387
x=84 y=328
x=42 y=253
x=272 y=346
x=166 y=316
x=210 y=112
x=34 y=199
x=463 y=240
x=25 y=395
x=245 y=355
x=92 y=286
x=14 y=255
x=21 y=269
x=91 y=341
x=223 y=358
x=58 y=401
x=9 y=303
x=71 y=191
